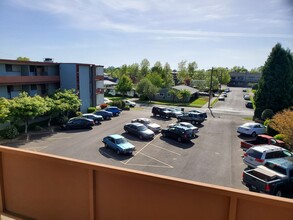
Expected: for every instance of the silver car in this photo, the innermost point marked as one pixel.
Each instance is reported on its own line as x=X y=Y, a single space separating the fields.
x=148 y=123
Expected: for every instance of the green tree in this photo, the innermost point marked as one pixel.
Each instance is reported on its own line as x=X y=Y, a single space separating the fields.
x=4 y=109
x=275 y=88
x=144 y=68
x=67 y=101
x=124 y=85
x=167 y=76
x=25 y=107
x=23 y=59
x=238 y=69
x=222 y=74
x=146 y=88
x=182 y=71
x=155 y=79
x=52 y=108
x=185 y=95
x=133 y=71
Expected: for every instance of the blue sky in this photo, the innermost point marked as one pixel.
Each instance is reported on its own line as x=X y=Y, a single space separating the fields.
x=213 y=33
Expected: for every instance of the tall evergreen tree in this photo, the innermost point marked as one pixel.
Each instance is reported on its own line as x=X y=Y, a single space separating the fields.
x=275 y=89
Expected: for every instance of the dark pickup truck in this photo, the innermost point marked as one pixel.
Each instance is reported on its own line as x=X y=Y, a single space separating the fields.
x=191 y=117
x=261 y=139
x=274 y=178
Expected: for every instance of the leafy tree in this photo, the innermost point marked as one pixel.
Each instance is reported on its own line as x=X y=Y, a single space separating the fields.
x=182 y=71
x=144 y=68
x=191 y=68
x=222 y=74
x=175 y=94
x=275 y=88
x=167 y=76
x=256 y=70
x=185 y=95
x=157 y=68
x=25 y=107
x=67 y=101
x=52 y=108
x=23 y=59
x=239 y=69
x=124 y=85
x=4 y=109
x=146 y=88
x=133 y=71
x=155 y=79
x=283 y=123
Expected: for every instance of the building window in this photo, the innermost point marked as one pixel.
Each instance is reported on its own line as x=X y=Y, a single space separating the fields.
x=162 y=94
x=8 y=67
x=32 y=69
x=34 y=87
x=168 y=95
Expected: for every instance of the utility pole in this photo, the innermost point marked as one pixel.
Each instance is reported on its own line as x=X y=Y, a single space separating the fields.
x=211 y=88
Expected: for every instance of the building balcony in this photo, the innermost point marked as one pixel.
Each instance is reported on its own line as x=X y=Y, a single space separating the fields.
x=24 y=80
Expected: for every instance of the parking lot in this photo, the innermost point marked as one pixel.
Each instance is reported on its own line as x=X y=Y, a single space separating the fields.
x=213 y=157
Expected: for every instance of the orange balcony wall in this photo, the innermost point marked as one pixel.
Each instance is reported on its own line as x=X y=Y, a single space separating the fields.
x=23 y=80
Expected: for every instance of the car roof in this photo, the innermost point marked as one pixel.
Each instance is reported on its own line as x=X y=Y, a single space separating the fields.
x=266 y=147
x=286 y=162
x=136 y=124
x=115 y=136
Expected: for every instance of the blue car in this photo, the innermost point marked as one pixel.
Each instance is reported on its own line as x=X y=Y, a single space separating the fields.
x=119 y=144
x=115 y=110
x=104 y=114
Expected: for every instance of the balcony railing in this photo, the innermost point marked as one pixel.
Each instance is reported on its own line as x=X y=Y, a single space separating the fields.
x=22 y=80
x=40 y=186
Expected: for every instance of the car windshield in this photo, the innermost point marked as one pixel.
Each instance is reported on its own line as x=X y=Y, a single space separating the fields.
x=121 y=141
x=141 y=128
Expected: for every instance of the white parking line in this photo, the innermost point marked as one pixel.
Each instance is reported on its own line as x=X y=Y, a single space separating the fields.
x=35 y=148
x=156 y=160
x=167 y=150
x=147 y=165
x=141 y=150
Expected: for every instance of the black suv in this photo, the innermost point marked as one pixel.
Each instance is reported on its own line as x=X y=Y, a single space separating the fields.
x=78 y=123
x=191 y=117
x=162 y=112
x=179 y=133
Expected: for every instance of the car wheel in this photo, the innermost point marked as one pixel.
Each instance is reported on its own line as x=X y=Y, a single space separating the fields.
x=253 y=134
x=118 y=152
x=140 y=137
x=164 y=134
x=179 y=119
x=193 y=122
x=154 y=114
x=106 y=145
x=179 y=139
x=127 y=132
x=279 y=193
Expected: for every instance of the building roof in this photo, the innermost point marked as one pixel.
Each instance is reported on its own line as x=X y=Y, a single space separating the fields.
x=188 y=88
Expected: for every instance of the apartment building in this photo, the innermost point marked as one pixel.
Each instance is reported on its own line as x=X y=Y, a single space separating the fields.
x=244 y=79
x=43 y=78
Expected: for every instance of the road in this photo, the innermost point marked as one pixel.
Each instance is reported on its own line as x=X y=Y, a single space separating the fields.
x=214 y=157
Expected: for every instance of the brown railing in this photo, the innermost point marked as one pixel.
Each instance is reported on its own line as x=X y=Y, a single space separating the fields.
x=22 y=80
x=40 y=186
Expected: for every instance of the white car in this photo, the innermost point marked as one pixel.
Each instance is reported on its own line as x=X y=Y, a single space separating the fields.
x=252 y=129
x=147 y=122
x=129 y=103
x=258 y=155
x=107 y=101
x=221 y=98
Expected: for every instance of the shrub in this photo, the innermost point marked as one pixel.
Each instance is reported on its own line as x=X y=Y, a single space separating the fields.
x=78 y=114
x=118 y=103
x=279 y=137
x=10 y=132
x=267 y=114
x=126 y=108
x=267 y=122
x=91 y=109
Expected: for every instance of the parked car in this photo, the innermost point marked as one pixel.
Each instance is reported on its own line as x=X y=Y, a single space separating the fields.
x=78 y=123
x=192 y=117
x=139 y=130
x=105 y=114
x=175 y=112
x=227 y=89
x=249 y=104
x=115 y=110
x=246 y=97
x=119 y=144
x=221 y=98
x=187 y=125
x=148 y=123
x=203 y=114
x=129 y=103
x=178 y=133
x=161 y=112
x=224 y=94
x=97 y=118
x=258 y=155
x=107 y=101
x=274 y=177
x=261 y=139
x=251 y=128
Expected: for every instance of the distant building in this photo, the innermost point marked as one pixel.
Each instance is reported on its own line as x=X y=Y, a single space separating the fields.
x=166 y=95
x=44 y=78
x=244 y=79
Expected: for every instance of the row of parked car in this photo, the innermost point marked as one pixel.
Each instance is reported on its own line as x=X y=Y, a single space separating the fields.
x=269 y=165
x=145 y=129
